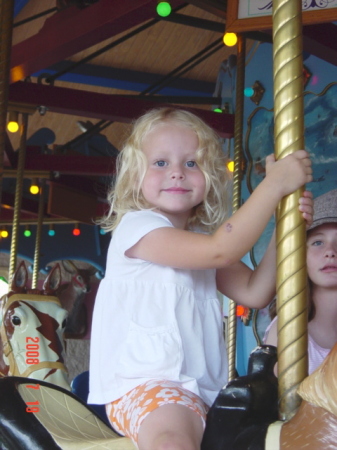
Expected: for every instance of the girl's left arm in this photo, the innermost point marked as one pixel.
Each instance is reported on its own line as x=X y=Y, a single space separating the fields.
x=256 y=288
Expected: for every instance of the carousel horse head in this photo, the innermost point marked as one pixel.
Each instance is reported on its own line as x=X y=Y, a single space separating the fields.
x=32 y=324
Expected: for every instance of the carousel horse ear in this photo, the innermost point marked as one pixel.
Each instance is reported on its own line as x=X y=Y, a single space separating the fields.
x=69 y=266
x=53 y=281
x=20 y=278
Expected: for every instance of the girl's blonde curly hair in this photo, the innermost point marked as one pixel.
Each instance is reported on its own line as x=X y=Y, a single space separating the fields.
x=125 y=193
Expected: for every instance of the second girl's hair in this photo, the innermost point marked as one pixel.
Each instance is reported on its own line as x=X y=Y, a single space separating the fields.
x=125 y=194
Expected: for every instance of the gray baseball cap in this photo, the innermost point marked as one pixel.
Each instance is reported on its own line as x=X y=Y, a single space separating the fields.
x=325 y=209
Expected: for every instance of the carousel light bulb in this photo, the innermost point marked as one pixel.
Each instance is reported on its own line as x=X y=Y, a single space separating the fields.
x=76 y=230
x=163 y=9
x=248 y=92
x=240 y=310
x=13 y=122
x=230 y=166
x=51 y=231
x=230 y=39
x=34 y=187
x=4 y=233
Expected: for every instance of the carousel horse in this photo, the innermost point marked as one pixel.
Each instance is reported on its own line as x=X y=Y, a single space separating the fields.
x=244 y=415
x=32 y=324
x=36 y=414
x=71 y=296
x=37 y=409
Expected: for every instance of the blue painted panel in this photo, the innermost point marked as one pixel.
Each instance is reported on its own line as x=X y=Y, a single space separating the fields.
x=129 y=80
x=19 y=5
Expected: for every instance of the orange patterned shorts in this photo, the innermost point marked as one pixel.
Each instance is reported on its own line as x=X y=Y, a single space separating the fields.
x=128 y=412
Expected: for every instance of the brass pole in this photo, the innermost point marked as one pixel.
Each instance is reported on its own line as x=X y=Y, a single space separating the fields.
x=240 y=76
x=38 y=236
x=290 y=227
x=6 y=26
x=18 y=196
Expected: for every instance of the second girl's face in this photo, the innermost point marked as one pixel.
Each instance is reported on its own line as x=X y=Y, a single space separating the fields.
x=322 y=255
x=173 y=182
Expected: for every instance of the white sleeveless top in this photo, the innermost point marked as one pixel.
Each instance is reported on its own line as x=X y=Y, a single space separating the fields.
x=154 y=322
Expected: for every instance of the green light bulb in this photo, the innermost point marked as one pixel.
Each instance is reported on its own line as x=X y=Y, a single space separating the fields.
x=27 y=233
x=163 y=9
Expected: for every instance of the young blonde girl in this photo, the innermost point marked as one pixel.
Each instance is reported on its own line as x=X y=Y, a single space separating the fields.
x=322 y=282
x=157 y=357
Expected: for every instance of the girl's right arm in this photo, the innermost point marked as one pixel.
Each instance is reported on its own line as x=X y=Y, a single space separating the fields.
x=188 y=250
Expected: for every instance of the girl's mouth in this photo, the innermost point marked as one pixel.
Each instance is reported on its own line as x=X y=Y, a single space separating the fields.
x=176 y=190
x=329 y=268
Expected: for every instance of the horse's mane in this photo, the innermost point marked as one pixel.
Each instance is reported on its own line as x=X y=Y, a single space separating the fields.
x=318 y=387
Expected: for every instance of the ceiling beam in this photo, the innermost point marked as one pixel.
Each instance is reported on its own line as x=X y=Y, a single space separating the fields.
x=320 y=40
x=124 y=79
x=104 y=106
x=72 y=30
x=70 y=164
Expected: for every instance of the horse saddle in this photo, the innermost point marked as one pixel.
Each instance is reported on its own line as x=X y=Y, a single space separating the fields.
x=38 y=415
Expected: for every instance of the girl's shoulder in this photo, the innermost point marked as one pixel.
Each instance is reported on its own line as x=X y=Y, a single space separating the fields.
x=144 y=216
x=135 y=225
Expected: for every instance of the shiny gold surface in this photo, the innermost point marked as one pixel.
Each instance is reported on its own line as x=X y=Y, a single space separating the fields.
x=237 y=176
x=18 y=196
x=291 y=236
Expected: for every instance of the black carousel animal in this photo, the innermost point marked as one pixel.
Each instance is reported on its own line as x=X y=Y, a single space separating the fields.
x=244 y=408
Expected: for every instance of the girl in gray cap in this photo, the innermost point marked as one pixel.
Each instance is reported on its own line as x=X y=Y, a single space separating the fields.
x=322 y=279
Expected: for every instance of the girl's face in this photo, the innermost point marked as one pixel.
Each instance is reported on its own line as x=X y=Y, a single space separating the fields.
x=173 y=182
x=322 y=255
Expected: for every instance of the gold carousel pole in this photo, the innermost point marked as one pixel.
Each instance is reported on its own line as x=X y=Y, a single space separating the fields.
x=18 y=196
x=6 y=26
x=240 y=76
x=290 y=227
x=38 y=236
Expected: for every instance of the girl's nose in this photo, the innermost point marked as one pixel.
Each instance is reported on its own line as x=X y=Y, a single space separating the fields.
x=330 y=252
x=177 y=173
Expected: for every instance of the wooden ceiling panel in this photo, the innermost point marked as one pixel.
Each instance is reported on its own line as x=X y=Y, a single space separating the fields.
x=148 y=55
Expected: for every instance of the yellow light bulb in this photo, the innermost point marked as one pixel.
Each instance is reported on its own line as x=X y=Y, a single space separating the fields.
x=230 y=166
x=230 y=39
x=13 y=127
x=4 y=233
x=34 y=189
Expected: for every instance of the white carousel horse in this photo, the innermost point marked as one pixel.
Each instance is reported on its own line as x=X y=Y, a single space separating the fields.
x=37 y=409
x=32 y=324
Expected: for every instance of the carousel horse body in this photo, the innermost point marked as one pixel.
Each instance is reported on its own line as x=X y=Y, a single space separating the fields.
x=314 y=426
x=244 y=415
x=31 y=328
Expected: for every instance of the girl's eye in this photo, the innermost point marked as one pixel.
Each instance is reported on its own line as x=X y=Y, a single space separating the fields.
x=160 y=163
x=191 y=164
x=316 y=243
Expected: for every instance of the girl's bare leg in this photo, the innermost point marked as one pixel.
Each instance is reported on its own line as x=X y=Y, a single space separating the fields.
x=171 y=427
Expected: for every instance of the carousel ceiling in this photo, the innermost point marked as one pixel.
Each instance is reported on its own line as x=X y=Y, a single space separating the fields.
x=84 y=69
